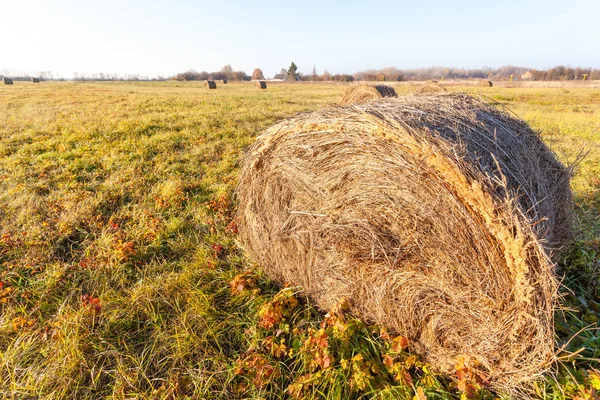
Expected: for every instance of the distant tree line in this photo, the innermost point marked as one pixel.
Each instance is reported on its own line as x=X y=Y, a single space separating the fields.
x=101 y=76
x=391 y=74
x=225 y=73
x=22 y=76
x=505 y=72
x=115 y=77
x=562 y=73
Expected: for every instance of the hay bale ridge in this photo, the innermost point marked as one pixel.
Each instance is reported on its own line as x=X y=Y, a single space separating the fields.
x=210 y=84
x=362 y=93
x=7 y=81
x=35 y=80
x=261 y=84
x=430 y=87
x=435 y=216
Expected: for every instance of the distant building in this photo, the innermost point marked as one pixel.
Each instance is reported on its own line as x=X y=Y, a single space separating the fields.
x=527 y=76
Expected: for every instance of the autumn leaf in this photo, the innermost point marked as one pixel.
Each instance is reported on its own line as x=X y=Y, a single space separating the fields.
x=399 y=343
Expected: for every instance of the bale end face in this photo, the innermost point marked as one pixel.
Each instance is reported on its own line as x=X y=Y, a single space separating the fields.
x=438 y=233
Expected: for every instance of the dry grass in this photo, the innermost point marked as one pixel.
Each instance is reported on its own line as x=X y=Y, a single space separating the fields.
x=433 y=215
x=121 y=191
x=361 y=93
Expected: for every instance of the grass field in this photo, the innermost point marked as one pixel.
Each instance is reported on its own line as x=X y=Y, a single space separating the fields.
x=121 y=277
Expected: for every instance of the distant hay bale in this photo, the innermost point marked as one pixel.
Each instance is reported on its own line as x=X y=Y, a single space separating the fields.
x=431 y=87
x=225 y=81
x=434 y=216
x=485 y=83
x=210 y=84
x=261 y=84
x=7 y=81
x=35 y=80
x=366 y=92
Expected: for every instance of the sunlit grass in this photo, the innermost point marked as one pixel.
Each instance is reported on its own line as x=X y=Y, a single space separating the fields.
x=121 y=275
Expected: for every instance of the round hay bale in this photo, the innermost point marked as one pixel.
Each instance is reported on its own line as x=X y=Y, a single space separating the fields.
x=261 y=84
x=210 y=84
x=225 y=81
x=485 y=83
x=7 y=81
x=434 y=216
x=431 y=87
x=35 y=80
x=366 y=92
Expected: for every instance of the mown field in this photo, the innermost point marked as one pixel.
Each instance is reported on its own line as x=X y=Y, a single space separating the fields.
x=121 y=276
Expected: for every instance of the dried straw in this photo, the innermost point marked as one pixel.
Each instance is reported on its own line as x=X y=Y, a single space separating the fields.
x=435 y=216
x=430 y=87
x=366 y=92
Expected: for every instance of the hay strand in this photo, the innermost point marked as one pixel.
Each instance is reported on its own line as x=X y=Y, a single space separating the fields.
x=435 y=216
x=366 y=92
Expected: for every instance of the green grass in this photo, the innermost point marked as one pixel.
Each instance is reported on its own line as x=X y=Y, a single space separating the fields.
x=121 y=275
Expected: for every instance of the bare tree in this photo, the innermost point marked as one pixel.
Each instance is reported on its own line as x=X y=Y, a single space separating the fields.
x=257 y=74
x=227 y=71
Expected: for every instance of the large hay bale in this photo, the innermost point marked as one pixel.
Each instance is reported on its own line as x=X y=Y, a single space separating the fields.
x=431 y=87
x=366 y=92
x=261 y=84
x=7 y=81
x=210 y=84
x=35 y=80
x=485 y=83
x=435 y=216
x=225 y=81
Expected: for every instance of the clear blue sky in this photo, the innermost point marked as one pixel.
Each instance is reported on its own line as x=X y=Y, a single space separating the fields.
x=159 y=37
